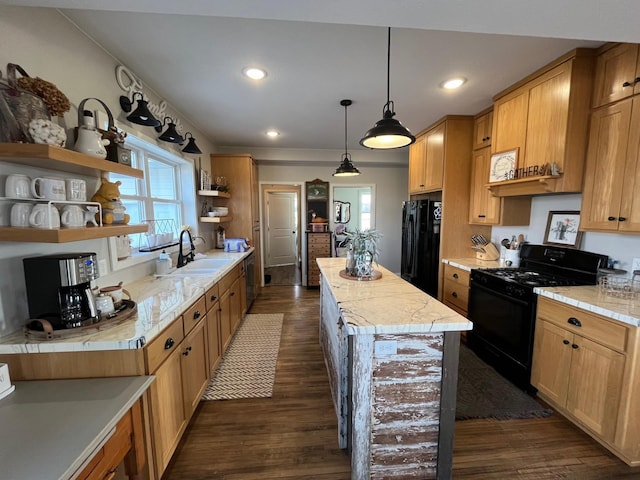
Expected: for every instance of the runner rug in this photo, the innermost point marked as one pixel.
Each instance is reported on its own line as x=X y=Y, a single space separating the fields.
x=248 y=368
x=484 y=393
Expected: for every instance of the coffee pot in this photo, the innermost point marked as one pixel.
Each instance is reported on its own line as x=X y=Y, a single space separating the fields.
x=89 y=139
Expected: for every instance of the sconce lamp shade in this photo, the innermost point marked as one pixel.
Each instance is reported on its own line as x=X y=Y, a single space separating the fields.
x=388 y=132
x=141 y=115
x=170 y=134
x=346 y=168
x=191 y=144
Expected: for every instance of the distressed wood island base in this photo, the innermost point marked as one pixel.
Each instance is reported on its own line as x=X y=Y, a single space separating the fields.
x=391 y=353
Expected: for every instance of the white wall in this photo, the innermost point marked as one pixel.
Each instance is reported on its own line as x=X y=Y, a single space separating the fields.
x=621 y=247
x=46 y=45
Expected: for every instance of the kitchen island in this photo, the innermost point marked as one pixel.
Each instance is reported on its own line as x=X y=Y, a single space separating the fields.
x=391 y=353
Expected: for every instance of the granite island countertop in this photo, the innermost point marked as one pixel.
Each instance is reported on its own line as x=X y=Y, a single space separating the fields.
x=159 y=301
x=388 y=305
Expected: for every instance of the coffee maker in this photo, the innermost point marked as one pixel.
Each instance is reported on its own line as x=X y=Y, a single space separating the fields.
x=59 y=288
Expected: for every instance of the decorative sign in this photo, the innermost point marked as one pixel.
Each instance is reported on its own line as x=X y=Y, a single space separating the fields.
x=128 y=82
x=503 y=166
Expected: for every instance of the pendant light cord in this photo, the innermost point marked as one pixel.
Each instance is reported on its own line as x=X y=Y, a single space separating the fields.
x=388 y=62
x=345 y=130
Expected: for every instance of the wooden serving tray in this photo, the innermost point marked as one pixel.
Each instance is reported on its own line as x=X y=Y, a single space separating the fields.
x=48 y=333
x=375 y=276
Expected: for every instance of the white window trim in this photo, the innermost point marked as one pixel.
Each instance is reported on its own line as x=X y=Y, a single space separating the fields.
x=188 y=202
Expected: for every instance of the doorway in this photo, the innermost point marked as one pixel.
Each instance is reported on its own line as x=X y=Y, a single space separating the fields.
x=281 y=209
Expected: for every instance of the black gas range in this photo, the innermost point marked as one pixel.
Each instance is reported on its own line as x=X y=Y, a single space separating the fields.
x=502 y=304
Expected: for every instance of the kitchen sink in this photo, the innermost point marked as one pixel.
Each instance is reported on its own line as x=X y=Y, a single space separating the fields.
x=205 y=266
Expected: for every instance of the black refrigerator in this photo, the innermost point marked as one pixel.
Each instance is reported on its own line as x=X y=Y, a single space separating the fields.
x=421 y=243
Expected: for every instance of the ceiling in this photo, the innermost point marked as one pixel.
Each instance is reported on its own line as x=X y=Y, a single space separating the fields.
x=192 y=54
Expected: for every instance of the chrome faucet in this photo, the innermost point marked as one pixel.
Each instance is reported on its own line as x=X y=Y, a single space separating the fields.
x=189 y=257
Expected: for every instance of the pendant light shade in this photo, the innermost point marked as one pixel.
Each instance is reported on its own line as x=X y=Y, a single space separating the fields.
x=346 y=168
x=141 y=115
x=387 y=133
x=191 y=144
x=170 y=134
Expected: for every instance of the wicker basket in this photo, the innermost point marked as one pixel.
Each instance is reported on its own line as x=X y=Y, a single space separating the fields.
x=18 y=107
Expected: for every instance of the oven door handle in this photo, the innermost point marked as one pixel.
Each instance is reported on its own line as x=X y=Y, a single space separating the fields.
x=496 y=293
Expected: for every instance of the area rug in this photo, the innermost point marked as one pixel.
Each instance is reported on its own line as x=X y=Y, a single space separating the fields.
x=248 y=368
x=484 y=393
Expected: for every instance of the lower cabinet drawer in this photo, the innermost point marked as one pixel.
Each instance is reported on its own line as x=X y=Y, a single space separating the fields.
x=455 y=294
x=194 y=314
x=163 y=345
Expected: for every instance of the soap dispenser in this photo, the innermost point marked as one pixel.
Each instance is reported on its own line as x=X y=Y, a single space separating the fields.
x=163 y=263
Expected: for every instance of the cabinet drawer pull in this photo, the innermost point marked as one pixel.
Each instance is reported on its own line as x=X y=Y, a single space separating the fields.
x=566 y=342
x=482 y=216
x=574 y=346
x=611 y=219
x=169 y=343
x=574 y=321
x=213 y=298
x=454 y=294
x=636 y=80
x=196 y=314
x=232 y=294
x=455 y=275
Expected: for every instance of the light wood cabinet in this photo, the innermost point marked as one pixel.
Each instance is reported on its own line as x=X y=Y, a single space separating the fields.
x=195 y=370
x=482 y=130
x=235 y=298
x=545 y=117
x=617 y=73
x=581 y=365
x=214 y=346
x=487 y=209
x=426 y=161
x=456 y=289
x=318 y=246
x=242 y=176
x=610 y=201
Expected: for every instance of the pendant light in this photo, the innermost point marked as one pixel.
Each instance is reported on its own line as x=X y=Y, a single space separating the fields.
x=387 y=133
x=170 y=134
x=191 y=144
x=141 y=115
x=346 y=168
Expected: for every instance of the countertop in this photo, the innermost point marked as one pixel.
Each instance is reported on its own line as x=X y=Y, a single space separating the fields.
x=470 y=263
x=387 y=305
x=160 y=300
x=51 y=427
x=590 y=298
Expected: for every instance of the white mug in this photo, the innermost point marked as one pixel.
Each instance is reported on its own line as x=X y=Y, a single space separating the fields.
x=44 y=215
x=104 y=303
x=76 y=189
x=72 y=216
x=50 y=188
x=17 y=186
x=20 y=214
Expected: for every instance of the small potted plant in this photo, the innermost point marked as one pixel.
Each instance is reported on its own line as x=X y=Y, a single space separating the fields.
x=362 y=252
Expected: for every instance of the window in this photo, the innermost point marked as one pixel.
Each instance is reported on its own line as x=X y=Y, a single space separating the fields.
x=164 y=198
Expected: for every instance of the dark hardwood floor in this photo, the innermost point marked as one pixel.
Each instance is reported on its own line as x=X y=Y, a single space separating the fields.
x=293 y=434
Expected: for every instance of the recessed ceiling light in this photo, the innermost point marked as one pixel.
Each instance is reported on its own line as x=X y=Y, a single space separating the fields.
x=453 y=83
x=254 y=73
x=273 y=133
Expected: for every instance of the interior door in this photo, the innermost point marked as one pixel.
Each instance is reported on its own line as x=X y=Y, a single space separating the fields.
x=282 y=229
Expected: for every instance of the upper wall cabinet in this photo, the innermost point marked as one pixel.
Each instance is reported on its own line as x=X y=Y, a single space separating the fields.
x=545 y=117
x=617 y=73
x=482 y=129
x=68 y=161
x=610 y=201
x=426 y=161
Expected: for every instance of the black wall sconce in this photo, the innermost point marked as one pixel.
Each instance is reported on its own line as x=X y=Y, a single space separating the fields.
x=191 y=144
x=141 y=115
x=170 y=134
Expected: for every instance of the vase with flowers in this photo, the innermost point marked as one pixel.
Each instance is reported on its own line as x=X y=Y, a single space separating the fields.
x=362 y=252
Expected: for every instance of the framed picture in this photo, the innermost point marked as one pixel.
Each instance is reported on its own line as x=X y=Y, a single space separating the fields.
x=317 y=190
x=562 y=229
x=503 y=165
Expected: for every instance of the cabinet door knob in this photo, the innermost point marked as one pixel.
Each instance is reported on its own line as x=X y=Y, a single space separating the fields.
x=636 y=80
x=574 y=321
x=611 y=219
x=213 y=298
x=622 y=219
x=455 y=275
x=566 y=342
x=574 y=346
x=627 y=84
x=169 y=343
x=454 y=294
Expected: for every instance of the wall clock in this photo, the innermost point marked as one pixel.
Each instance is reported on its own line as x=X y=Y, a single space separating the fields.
x=503 y=165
